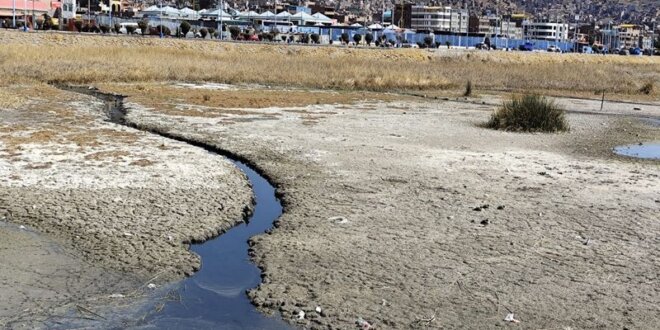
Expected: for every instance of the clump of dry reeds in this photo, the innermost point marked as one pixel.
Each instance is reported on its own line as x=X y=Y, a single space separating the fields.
x=529 y=113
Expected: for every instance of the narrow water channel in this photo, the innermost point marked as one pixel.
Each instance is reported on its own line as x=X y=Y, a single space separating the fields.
x=215 y=296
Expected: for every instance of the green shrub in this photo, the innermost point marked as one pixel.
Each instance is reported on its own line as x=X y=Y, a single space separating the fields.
x=529 y=113
x=130 y=29
x=357 y=38
x=203 y=32
x=315 y=38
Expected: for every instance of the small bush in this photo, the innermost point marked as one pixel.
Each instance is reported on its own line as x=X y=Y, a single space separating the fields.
x=203 y=32
x=448 y=44
x=468 y=88
x=104 y=28
x=315 y=38
x=647 y=88
x=130 y=29
x=529 y=113
x=357 y=38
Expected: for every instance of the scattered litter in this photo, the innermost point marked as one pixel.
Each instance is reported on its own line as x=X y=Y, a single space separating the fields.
x=22 y=227
x=540 y=214
x=338 y=219
x=384 y=302
x=169 y=238
x=318 y=309
x=116 y=295
x=501 y=207
x=587 y=241
x=363 y=324
x=128 y=234
x=151 y=286
x=636 y=108
x=301 y=315
x=509 y=318
x=485 y=222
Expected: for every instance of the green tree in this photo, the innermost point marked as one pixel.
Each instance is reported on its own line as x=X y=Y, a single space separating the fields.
x=357 y=38
x=185 y=27
x=234 y=31
x=369 y=38
x=143 y=25
x=203 y=32
x=315 y=38
x=344 y=38
x=428 y=41
x=78 y=25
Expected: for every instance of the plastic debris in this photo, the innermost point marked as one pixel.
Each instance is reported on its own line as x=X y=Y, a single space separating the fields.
x=116 y=295
x=22 y=227
x=127 y=234
x=301 y=315
x=509 y=318
x=363 y=324
x=338 y=220
x=318 y=309
x=151 y=286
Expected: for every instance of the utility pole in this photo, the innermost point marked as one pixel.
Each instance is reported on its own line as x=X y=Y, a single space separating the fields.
x=13 y=14
x=24 y=15
x=222 y=6
x=161 y=19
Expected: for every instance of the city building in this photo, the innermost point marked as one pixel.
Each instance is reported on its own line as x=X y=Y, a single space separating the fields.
x=428 y=18
x=545 y=30
x=479 y=25
x=628 y=35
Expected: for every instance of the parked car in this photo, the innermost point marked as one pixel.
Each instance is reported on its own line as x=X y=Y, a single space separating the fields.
x=624 y=52
x=123 y=29
x=409 y=45
x=634 y=51
x=554 y=49
x=527 y=47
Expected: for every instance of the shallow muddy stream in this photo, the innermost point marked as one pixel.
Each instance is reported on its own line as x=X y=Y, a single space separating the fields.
x=215 y=296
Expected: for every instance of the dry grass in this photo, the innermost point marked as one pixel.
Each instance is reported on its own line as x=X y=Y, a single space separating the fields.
x=99 y=59
x=175 y=100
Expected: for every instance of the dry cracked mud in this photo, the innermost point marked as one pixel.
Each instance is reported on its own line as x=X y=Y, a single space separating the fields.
x=409 y=214
x=120 y=201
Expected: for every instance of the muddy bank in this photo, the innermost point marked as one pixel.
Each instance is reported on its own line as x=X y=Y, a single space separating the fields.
x=409 y=214
x=118 y=198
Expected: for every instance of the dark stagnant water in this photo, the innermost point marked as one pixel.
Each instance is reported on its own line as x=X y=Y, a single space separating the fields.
x=215 y=296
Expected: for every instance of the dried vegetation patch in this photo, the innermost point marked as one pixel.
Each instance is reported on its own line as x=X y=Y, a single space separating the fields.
x=96 y=59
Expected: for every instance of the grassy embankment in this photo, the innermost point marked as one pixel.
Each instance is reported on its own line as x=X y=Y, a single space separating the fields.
x=50 y=57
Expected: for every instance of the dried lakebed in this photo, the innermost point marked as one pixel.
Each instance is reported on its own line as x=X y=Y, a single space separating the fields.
x=215 y=296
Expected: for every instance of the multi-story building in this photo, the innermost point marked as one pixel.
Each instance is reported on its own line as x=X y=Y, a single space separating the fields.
x=429 y=18
x=628 y=35
x=545 y=30
x=479 y=25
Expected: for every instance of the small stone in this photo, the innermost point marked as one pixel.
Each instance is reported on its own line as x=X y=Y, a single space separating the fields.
x=485 y=222
x=151 y=286
x=477 y=208
x=501 y=207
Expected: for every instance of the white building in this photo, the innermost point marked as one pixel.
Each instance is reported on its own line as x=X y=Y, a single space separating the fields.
x=545 y=30
x=439 y=19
